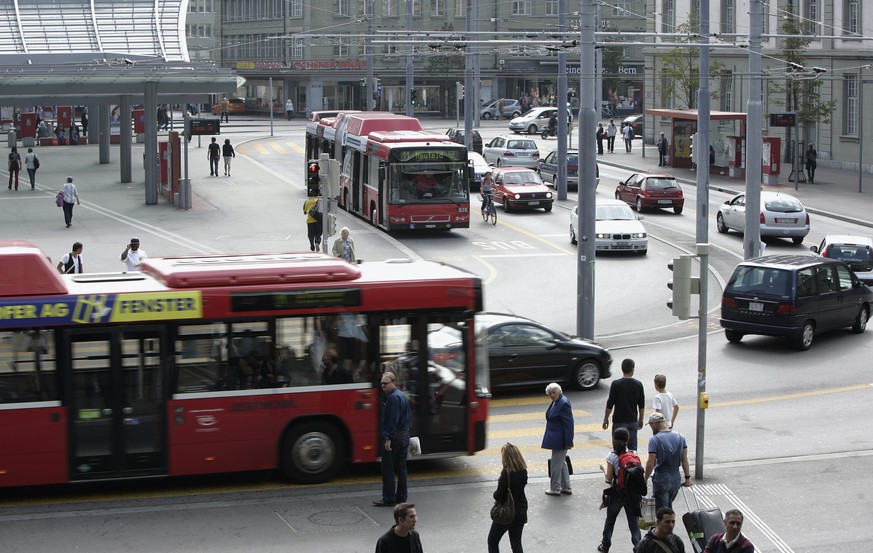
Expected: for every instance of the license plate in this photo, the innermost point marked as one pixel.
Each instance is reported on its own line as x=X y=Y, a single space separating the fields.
x=533 y=203
x=785 y=220
x=622 y=244
x=665 y=201
x=756 y=306
x=523 y=154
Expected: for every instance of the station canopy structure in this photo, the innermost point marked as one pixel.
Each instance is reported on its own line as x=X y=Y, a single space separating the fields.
x=96 y=52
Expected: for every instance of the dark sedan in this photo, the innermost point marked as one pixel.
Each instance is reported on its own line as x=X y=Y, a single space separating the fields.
x=522 y=352
x=457 y=135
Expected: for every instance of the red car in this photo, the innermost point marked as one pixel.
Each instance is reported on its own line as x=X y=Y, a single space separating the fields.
x=650 y=191
x=520 y=188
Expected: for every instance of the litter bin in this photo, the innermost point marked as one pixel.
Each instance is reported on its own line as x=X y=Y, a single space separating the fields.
x=13 y=140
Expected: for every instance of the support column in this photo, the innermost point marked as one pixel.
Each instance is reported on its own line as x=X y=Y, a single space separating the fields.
x=125 y=142
x=151 y=143
x=103 y=125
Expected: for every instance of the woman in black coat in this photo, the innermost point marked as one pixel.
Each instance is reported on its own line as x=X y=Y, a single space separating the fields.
x=513 y=476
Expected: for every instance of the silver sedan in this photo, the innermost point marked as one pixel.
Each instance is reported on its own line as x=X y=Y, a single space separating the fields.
x=781 y=216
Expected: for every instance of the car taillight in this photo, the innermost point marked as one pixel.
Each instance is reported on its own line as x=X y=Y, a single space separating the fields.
x=508 y=154
x=762 y=217
x=730 y=303
x=786 y=309
x=807 y=218
x=535 y=154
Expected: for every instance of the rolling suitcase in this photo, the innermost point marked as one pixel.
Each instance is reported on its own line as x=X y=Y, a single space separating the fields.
x=701 y=524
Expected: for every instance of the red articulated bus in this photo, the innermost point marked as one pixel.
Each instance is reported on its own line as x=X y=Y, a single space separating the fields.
x=216 y=364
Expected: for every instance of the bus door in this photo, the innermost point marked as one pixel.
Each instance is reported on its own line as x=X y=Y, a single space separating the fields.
x=116 y=402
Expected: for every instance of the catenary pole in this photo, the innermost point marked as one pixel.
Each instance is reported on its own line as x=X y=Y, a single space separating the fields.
x=587 y=187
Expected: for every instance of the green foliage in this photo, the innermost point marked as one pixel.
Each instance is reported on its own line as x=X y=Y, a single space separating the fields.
x=800 y=92
x=680 y=68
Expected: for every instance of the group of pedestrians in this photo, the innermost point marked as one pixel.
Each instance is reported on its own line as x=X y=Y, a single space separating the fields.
x=609 y=134
x=215 y=152
x=132 y=257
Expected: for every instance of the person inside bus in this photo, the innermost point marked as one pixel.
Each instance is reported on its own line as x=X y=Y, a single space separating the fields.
x=427 y=185
x=334 y=372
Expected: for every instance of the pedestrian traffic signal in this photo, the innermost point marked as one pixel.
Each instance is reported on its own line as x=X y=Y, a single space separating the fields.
x=683 y=284
x=313 y=180
x=413 y=96
x=460 y=88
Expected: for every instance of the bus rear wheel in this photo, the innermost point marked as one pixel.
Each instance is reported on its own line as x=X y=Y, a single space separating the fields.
x=313 y=452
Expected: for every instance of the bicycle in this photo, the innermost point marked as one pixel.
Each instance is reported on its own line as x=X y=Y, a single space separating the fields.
x=488 y=210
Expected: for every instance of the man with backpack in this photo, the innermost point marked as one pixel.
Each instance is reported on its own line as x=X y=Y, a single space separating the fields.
x=624 y=473
x=667 y=452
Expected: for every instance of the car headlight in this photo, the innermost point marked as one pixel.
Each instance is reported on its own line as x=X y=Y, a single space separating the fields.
x=601 y=235
x=638 y=235
x=548 y=195
x=516 y=196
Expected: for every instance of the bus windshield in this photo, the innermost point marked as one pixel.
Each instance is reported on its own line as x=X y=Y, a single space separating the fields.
x=428 y=183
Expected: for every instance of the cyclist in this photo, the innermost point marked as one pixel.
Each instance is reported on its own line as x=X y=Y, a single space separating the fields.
x=487 y=191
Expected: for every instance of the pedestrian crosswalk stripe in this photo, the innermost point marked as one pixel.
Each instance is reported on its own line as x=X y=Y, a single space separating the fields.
x=260 y=148
x=278 y=148
x=296 y=147
x=518 y=401
x=519 y=417
x=522 y=432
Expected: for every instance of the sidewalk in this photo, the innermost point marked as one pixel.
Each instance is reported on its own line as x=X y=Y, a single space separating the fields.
x=834 y=194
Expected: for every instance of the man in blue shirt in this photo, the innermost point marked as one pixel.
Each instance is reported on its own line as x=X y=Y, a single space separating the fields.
x=667 y=453
x=396 y=420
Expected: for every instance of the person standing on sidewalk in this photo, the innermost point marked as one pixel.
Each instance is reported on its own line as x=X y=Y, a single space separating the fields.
x=402 y=537
x=213 y=154
x=344 y=246
x=228 y=154
x=396 y=420
x=811 y=157
x=14 y=167
x=599 y=136
x=31 y=164
x=662 y=151
x=628 y=133
x=225 y=108
x=71 y=263
x=732 y=540
x=668 y=452
x=513 y=479
x=611 y=131
x=618 y=498
x=313 y=222
x=289 y=109
x=661 y=538
x=559 y=439
x=71 y=195
x=627 y=396
x=133 y=256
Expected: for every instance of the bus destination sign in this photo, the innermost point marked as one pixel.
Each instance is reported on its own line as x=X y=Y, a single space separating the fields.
x=295 y=299
x=414 y=155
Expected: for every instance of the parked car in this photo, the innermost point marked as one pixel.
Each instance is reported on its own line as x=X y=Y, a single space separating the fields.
x=478 y=169
x=616 y=228
x=505 y=151
x=781 y=215
x=457 y=135
x=520 y=188
x=235 y=106
x=650 y=191
x=535 y=120
x=794 y=296
x=854 y=251
x=511 y=108
x=523 y=352
x=635 y=121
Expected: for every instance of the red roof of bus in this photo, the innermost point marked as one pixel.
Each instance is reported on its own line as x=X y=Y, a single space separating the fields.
x=386 y=137
x=362 y=124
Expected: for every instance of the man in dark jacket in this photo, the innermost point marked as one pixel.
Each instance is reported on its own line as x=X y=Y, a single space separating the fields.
x=402 y=537
x=731 y=541
x=396 y=420
x=628 y=397
x=661 y=537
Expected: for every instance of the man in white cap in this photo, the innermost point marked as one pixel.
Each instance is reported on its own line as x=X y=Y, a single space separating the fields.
x=667 y=453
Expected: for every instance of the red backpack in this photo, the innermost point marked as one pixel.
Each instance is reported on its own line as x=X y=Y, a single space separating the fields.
x=631 y=475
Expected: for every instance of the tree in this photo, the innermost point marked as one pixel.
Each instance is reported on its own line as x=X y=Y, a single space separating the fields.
x=801 y=88
x=680 y=68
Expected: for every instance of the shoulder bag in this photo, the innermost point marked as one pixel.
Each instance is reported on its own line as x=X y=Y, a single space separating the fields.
x=503 y=512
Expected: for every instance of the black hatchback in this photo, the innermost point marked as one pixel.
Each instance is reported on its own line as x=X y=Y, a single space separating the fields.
x=457 y=135
x=794 y=296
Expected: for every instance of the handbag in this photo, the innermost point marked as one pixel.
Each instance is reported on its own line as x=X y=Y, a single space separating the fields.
x=566 y=460
x=503 y=512
x=35 y=162
x=59 y=199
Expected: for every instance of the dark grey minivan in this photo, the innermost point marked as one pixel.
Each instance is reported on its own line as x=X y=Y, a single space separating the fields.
x=795 y=296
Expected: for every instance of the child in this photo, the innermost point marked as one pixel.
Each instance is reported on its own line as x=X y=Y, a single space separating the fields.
x=665 y=401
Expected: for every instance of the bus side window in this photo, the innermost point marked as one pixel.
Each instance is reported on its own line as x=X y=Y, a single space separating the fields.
x=27 y=366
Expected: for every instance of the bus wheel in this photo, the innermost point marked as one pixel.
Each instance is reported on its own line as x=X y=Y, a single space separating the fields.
x=373 y=217
x=312 y=452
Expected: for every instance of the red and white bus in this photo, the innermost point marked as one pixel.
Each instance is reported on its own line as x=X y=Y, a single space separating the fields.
x=406 y=180
x=214 y=364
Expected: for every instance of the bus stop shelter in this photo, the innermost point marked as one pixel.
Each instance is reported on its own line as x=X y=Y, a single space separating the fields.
x=726 y=138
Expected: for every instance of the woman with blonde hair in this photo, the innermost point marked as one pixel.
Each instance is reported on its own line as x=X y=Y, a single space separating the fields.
x=513 y=477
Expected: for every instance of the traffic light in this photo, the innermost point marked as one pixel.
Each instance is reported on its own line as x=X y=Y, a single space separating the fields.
x=313 y=180
x=683 y=284
x=413 y=96
x=363 y=82
x=460 y=88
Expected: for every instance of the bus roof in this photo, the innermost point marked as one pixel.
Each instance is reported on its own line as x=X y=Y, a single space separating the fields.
x=362 y=124
x=386 y=137
x=26 y=271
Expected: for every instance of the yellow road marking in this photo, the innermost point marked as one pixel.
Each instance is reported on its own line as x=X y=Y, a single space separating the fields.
x=296 y=147
x=518 y=417
x=531 y=400
x=278 y=147
x=793 y=396
x=524 y=432
x=260 y=148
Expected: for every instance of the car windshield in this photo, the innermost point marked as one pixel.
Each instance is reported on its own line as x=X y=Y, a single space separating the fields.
x=849 y=253
x=521 y=145
x=782 y=204
x=522 y=178
x=661 y=184
x=614 y=213
x=760 y=281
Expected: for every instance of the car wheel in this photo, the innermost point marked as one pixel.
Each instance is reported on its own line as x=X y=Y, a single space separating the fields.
x=516 y=114
x=572 y=235
x=312 y=452
x=678 y=210
x=486 y=115
x=733 y=336
x=532 y=129
x=639 y=205
x=807 y=335
x=548 y=208
x=555 y=182
x=499 y=162
x=719 y=224
x=506 y=206
x=586 y=375
x=617 y=195
x=860 y=321
x=797 y=239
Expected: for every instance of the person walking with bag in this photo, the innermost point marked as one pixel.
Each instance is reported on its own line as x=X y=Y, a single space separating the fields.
x=14 y=167
x=71 y=263
x=512 y=481
x=558 y=438
x=313 y=222
x=71 y=194
x=227 y=153
x=31 y=163
x=618 y=498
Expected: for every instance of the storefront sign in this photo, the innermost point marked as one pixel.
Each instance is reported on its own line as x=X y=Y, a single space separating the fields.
x=328 y=64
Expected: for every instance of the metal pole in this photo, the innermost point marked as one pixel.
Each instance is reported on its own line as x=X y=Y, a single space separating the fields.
x=477 y=75
x=370 y=89
x=587 y=189
x=703 y=112
x=409 y=77
x=468 y=83
x=860 y=128
x=270 y=103
x=754 y=130
x=562 y=105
